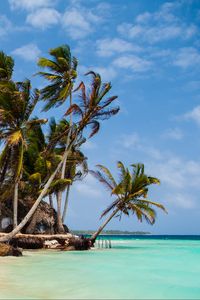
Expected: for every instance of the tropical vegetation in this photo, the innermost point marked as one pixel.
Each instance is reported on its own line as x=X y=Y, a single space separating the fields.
x=41 y=159
x=130 y=193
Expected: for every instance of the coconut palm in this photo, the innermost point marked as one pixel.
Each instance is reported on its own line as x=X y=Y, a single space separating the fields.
x=76 y=169
x=16 y=106
x=130 y=194
x=62 y=74
x=92 y=106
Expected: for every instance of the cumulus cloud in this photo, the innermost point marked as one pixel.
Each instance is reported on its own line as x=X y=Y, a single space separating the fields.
x=187 y=57
x=172 y=173
x=30 y=4
x=89 y=187
x=174 y=134
x=182 y=200
x=130 y=141
x=159 y=26
x=43 y=18
x=29 y=52
x=133 y=62
x=5 y=25
x=193 y=115
x=108 y=47
x=133 y=141
x=79 y=22
x=107 y=73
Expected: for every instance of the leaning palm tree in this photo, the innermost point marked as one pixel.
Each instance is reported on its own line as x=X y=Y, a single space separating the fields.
x=130 y=194
x=16 y=106
x=62 y=74
x=76 y=169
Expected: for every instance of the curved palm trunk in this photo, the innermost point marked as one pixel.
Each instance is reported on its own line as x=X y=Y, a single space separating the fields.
x=16 y=187
x=66 y=203
x=37 y=202
x=60 y=227
x=94 y=236
x=51 y=201
x=15 y=205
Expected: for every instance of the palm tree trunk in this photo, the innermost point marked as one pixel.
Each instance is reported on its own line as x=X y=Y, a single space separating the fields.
x=94 y=236
x=60 y=228
x=39 y=199
x=15 y=204
x=51 y=200
x=66 y=203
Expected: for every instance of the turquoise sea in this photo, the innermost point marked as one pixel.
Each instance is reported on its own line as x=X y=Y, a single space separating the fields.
x=137 y=267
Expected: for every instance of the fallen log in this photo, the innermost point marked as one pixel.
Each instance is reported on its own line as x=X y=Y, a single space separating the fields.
x=8 y=250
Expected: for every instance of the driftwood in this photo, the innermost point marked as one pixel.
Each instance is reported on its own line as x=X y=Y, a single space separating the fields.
x=65 y=242
x=8 y=250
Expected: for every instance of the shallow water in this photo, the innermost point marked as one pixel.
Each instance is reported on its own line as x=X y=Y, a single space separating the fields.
x=135 y=268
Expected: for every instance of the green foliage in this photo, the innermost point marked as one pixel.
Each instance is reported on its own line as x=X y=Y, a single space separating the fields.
x=6 y=66
x=92 y=106
x=130 y=191
x=61 y=74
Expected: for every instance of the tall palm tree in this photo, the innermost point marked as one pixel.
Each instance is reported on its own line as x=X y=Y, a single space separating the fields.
x=92 y=106
x=16 y=106
x=130 y=194
x=76 y=169
x=62 y=74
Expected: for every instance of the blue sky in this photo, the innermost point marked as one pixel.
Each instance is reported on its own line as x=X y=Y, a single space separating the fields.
x=150 y=51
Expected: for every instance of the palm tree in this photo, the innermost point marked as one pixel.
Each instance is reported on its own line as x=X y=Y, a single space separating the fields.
x=16 y=106
x=92 y=106
x=6 y=66
x=76 y=169
x=62 y=74
x=130 y=192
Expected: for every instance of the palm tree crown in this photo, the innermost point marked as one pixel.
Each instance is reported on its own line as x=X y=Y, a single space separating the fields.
x=92 y=106
x=62 y=73
x=130 y=192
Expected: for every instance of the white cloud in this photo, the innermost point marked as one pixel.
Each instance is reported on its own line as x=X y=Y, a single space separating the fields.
x=187 y=57
x=30 y=4
x=133 y=141
x=79 y=22
x=174 y=134
x=29 y=52
x=161 y=25
x=177 y=174
x=130 y=141
x=107 y=73
x=43 y=18
x=181 y=200
x=133 y=62
x=89 y=187
x=193 y=115
x=108 y=47
x=5 y=25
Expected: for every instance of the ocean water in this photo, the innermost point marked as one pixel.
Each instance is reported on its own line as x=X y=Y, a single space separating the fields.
x=153 y=267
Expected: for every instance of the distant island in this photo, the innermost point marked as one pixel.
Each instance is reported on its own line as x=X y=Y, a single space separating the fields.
x=110 y=232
